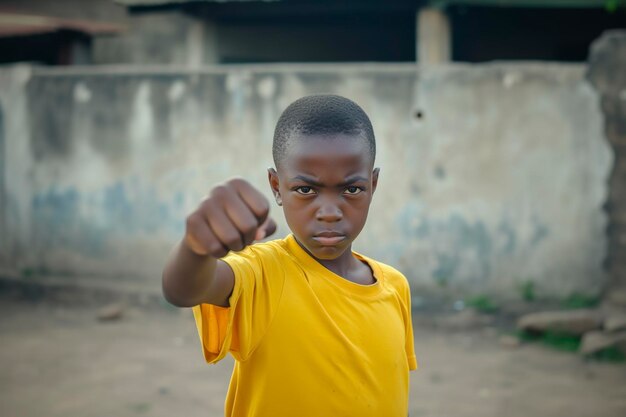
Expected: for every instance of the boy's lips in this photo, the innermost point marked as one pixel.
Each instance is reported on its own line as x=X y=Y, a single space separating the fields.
x=328 y=238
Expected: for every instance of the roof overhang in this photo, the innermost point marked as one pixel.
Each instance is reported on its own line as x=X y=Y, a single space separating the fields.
x=17 y=24
x=553 y=4
x=153 y=3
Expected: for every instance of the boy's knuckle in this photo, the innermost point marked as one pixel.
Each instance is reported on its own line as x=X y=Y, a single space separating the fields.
x=219 y=192
x=263 y=207
x=208 y=206
x=236 y=182
x=192 y=222
x=249 y=227
x=232 y=241
x=248 y=234
x=217 y=249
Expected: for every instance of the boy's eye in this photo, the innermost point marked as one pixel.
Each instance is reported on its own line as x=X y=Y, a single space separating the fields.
x=353 y=190
x=305 y=190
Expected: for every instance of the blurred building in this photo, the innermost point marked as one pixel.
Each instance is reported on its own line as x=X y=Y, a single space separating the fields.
x=49 y=40
x=361 y=30
x=56 y=32
x=197 y=32
x=502 y=173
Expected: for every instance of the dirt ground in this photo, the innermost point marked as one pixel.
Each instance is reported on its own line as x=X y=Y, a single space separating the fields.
x=59 y=360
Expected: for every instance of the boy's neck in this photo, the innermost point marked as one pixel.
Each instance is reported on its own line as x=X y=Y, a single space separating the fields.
x=346 y=266
x=357 y=271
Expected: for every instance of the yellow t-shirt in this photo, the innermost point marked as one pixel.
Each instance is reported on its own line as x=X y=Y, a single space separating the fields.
x=308 y=342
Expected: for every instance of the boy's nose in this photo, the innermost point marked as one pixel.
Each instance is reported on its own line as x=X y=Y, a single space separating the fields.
x=329 y=212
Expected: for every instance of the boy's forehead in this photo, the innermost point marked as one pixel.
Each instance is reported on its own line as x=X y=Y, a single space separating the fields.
x=329 y=149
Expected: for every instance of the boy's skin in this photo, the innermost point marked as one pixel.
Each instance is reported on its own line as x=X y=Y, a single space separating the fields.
x=325 y=186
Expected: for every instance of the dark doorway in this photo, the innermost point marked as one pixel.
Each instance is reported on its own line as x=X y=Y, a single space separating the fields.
x=513 y=33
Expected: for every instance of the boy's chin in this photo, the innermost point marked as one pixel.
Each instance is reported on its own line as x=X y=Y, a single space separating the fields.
x=326 y=253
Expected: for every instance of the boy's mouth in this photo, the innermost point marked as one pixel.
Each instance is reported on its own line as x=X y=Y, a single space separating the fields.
x=328 y=238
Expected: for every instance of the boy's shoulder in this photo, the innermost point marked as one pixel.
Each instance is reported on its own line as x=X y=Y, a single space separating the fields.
x=286 y=249
x=271 y=248
x=390 y=274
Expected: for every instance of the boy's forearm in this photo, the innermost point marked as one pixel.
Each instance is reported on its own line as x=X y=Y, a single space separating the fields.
x=187 y=276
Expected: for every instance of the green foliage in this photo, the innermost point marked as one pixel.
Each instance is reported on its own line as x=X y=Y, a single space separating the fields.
x=561 y=341
x=557 y=340
x=27 y=272
x=611 y=354
x=30 y=272
x=441 y=280
x=611 y=6
x=566 y=342
x=527 y=291
x=578 y=300
x=482 y=303
x=526 y=336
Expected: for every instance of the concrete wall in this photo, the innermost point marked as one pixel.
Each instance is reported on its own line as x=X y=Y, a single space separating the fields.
x=607 y=72
x=491 y=175
x=98 y=10
x=164 y=37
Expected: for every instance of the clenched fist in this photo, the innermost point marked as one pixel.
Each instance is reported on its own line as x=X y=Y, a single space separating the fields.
x=233 y=216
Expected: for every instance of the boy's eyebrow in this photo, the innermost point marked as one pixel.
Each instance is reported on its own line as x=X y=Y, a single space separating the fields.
x=308 y=180
x=316 y=183
x=352 y=180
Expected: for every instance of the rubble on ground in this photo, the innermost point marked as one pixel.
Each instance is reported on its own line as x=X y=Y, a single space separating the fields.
x=615 y=322
x=596 y=341
x=599 y=330
x=509 y=341
x=575 y=322
x=111 y=312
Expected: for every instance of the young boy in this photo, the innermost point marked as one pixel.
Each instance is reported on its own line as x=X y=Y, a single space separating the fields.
x=315 y=328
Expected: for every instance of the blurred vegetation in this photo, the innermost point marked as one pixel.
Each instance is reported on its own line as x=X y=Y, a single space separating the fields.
x=557 y=340
x=566 y=342
x=611 y=354
x=578 y=300
x=527 y=290
x=482 y=303
x=611 y=6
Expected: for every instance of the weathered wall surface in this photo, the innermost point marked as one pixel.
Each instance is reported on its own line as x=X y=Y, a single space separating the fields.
x=607 y=72
x=160 y=38
x=491 y=175
x=16 y=164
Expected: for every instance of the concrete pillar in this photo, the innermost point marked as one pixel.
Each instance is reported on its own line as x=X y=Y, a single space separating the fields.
x=211 y=53
x=434 y=38
x=3 y=197
x=81 y=52
x=202 y=43
x=167 y=37
x=607 y=73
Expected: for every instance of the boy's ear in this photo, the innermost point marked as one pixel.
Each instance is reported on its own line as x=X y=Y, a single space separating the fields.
x=375 y=179
x=272 y=176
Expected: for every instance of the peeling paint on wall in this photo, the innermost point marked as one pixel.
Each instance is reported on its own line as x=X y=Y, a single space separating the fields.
x=490 y=174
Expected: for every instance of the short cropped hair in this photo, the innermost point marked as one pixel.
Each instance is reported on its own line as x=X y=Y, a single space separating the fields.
x=322 y=115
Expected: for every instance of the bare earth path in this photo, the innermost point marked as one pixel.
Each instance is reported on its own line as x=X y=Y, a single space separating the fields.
x=60 y=361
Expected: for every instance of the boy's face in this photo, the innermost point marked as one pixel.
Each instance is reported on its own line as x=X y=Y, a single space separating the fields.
x=325 y=185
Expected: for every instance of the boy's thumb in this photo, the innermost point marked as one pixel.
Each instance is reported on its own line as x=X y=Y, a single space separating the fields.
x=266 y=229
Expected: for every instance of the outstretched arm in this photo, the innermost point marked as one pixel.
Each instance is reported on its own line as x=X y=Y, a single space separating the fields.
x=232 y=217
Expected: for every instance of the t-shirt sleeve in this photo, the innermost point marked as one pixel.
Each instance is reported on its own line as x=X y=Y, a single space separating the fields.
x=409 y=340
x=240 y=327
x=404 y=293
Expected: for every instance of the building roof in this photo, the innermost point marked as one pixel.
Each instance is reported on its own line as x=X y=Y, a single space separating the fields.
x=556 y=4
x=140 y=3
x=491 y=3
x=17 y=24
